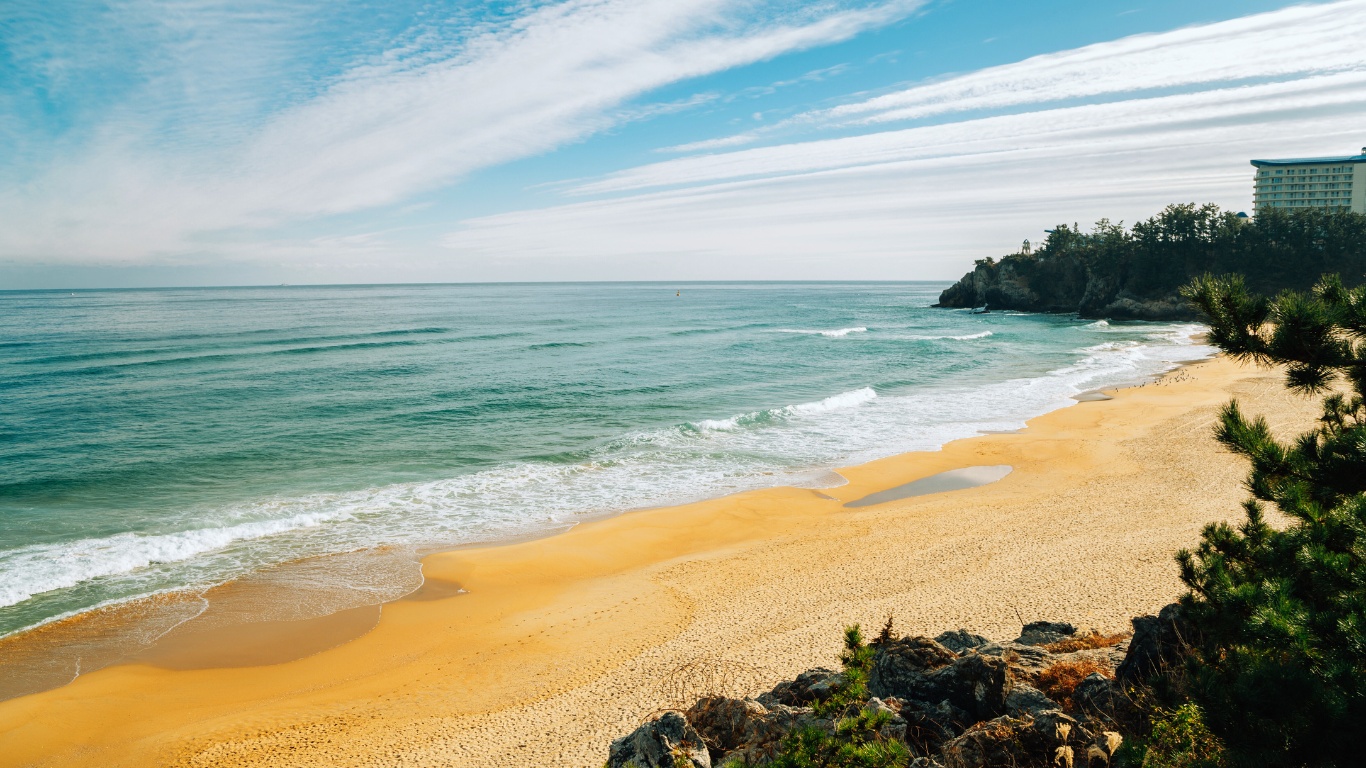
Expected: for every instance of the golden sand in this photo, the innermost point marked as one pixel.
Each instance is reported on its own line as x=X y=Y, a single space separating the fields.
x=563 y=643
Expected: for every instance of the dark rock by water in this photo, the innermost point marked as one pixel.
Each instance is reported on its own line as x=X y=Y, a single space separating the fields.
x=1113 y=272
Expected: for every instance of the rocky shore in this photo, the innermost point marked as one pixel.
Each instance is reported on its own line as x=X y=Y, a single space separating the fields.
x=1136 y=273
x=1064 y=284
x=1053 y=696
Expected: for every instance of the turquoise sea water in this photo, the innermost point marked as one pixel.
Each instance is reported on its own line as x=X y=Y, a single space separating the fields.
x=168 y=439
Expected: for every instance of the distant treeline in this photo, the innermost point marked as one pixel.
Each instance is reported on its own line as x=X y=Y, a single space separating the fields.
x=1135 y=273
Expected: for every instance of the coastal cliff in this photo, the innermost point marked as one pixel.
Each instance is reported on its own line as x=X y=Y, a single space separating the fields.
x=1134 y=274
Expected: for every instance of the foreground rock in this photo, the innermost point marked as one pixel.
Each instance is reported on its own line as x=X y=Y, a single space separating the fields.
x=747 y=731
x=956 y=701
x=665 y=742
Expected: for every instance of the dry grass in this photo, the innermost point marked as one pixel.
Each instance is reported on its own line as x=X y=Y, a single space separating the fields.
x=1086 y=642
x=1060 y=681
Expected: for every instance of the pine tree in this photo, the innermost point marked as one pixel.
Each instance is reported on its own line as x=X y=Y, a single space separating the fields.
x=1278 y=607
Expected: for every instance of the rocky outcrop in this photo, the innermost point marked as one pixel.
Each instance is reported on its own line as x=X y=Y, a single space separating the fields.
x=1065 y=283
x=809 y=687
x=1015 y=741
x=1045 y=632
x=665 y=742
x=956 y=701
x=1158 y=642
x=747 y=731
x=960 y=641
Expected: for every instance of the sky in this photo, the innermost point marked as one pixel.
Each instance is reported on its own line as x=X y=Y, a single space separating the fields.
x=244 y=142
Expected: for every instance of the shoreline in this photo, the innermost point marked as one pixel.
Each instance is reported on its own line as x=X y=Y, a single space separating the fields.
x=623 y=597
x=72 y=628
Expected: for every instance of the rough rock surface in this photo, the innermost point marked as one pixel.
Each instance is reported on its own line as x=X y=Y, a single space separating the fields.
x=1026 y=661
x=1045 y=632
x=1157 y=641
x=1097 y=695
x=1025 y=700
x=799 y=693
x=1005 y=742
x=961 y=641
x=921 y=670
x=745 y=730
x=957 y=701
x=659 y=744
x=1063 y=285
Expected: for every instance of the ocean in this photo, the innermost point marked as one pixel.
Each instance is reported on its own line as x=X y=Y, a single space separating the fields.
x=158 y=442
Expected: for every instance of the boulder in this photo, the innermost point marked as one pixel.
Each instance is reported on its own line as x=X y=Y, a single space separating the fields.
x=725 y=724
x=1025 y=699
x=901 y=666
x=1095 y=695
x=665 y=742
x=895 y=729
x=929 y=726
x=1025 y=661
x=1007 y=742
x=1158 y=641
x=961 y=641
x=921 y=670
x=798 y=693
x=1045 y=632
x=747 y=731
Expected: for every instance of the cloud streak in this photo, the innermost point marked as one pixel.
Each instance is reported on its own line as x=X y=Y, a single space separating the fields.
x=919 y=202
x=413 y=119
x=1280 y=45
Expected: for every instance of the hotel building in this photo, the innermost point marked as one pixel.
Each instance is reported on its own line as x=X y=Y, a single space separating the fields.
x=1334 y=183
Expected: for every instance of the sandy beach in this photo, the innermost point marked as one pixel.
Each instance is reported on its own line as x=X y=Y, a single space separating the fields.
x=557 y=645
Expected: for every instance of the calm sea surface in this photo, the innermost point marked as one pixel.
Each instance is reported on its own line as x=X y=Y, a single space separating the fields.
x=158 y=440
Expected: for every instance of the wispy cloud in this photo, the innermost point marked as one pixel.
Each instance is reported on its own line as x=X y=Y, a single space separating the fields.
x=916 y=202
x=1277 y=46
x=1285 y=44
x=413 y=118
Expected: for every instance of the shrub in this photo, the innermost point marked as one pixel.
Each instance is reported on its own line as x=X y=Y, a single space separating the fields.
x=1180 y=739
x=1060 y=681
x=1086 y=642
x=856 y=742
x=1279 y=612
x=857 y=659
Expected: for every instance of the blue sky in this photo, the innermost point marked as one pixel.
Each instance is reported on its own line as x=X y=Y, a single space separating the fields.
x=183 y=142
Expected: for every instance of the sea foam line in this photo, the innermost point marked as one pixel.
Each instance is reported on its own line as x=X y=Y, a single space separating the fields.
x=964 y=337
x=40 y=568
x=850 y=399
x=830 y=334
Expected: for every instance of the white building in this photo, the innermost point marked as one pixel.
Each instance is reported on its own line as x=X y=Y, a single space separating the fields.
x=1334 y=183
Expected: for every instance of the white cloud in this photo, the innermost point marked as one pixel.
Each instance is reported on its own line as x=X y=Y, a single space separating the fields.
x=1289 y=43
x=921 y=202
x=1259 y=108
x=411 y=121
x=1277 y=46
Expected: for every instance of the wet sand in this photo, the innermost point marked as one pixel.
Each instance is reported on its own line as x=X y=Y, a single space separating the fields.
x=541 y=652
x=952 y=480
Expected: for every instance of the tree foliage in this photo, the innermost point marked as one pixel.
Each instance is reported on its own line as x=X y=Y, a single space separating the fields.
x=1279 y=607
x=1115 y=271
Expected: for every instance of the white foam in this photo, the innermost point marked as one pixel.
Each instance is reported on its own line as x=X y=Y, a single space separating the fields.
x=848 y=399
x=832 y=334
x=32 y=570
x=788 y=445
x=964 y=337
